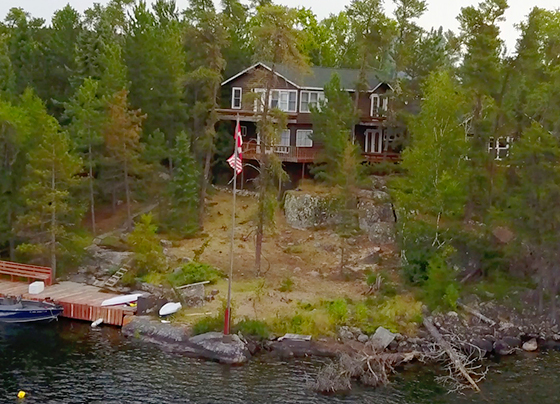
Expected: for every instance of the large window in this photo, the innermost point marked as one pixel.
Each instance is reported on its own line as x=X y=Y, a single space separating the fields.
x=499 y=148
x=284 y=145
x=236 y=96
x=378 y=105
x=304 y=138
x=310 y=99
x=284 y=100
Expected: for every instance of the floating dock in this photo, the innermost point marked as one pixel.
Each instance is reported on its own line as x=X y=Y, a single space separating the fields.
x=80 y=302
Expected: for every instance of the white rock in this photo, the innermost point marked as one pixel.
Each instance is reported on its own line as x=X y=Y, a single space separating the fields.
x=382 y=338
x=531 y=345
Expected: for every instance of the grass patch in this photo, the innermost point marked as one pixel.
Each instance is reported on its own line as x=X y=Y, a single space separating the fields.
x=193 y=272
x=208 y=324
x=253 y=328
x=294 y=249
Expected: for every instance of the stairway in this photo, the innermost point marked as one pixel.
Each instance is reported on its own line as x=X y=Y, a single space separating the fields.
x=112 y=281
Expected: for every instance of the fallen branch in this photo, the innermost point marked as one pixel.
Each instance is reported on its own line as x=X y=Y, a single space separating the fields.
x=454 y=356
x=476 y=313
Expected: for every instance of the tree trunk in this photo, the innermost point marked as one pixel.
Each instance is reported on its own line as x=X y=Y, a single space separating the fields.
x=127 y=192
x=203 y=189
x=91 y=194
x=11 y=241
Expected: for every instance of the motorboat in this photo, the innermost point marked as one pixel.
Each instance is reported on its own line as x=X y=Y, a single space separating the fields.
x=17 y=310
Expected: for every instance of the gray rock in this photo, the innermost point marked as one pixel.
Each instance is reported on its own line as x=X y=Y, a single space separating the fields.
x=225 y=348
x=363 y=338
x=382 y=338
x=502 y=348
x=344 y=333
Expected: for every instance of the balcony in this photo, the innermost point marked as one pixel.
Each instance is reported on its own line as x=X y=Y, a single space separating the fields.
x=293 y=154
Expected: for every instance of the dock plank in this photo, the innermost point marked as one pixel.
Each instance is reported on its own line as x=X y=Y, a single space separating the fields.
x=81 y=302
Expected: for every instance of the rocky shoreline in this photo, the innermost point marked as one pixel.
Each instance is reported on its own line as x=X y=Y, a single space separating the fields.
x=493 y=330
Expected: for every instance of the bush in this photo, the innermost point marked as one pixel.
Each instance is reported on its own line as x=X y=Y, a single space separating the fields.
x=287 y=285
x=208 y=324
x=441 y=289
x=146 y=246
x=193 y=272
x=253 y=328
x=338 y=311
x=401 y=313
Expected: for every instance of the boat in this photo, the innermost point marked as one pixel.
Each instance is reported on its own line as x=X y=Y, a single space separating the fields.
x=25 y=311
x=169 y=308
x=124 y=299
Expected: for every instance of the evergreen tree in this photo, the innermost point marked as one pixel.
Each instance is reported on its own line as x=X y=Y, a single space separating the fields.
x=333 y=121
x=532 y=209
x=51 y=212
x=85 y=112
x=122 y=132
x=182 y=207
x=14 y=137
x=275 y=41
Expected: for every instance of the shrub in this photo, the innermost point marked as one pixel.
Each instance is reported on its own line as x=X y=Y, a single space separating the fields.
x=146 y=246
x=208 y=324
x=338 y=311
x=253 y=328
x=400 y=313
x=440 y=289
x=287 y=285
x=193 y=272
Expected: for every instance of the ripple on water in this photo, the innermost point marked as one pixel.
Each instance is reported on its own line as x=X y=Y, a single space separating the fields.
x=67 y=363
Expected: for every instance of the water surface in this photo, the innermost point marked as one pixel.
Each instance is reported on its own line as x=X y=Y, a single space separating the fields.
x=69 y=362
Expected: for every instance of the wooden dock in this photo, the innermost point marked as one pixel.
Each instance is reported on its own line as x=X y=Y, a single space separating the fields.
x=80 y=302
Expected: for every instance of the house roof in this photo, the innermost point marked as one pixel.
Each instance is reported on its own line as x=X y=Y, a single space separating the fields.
x=317 y=77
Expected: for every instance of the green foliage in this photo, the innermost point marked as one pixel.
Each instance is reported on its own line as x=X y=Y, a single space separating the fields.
x=181 y=211
x=287 y=285
x=333 y=121
x=441 y=290
x=208 y=324
x=401 y=313
x=145 y=244
x=252 y=328
x=337 y=311
x=193 y=272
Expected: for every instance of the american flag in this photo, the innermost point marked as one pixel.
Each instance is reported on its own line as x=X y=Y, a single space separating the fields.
x=237 y=163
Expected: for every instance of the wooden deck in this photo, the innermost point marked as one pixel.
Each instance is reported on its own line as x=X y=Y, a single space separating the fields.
x=80 y=302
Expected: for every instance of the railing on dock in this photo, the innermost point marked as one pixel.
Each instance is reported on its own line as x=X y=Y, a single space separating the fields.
x=30 y=272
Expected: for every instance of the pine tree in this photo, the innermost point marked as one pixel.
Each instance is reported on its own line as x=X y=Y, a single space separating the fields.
x=122 y=132
x=85 y=112
x=332 y=128
x=182 y=207
x=531 y=207
x=14 y=137
x=51 y=214
x=275 y=41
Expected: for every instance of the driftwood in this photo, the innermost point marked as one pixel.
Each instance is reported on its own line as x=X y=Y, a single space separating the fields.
x=457 y=360
x=476 y=313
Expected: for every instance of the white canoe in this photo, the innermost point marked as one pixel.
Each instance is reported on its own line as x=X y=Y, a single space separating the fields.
x=169 y=308
x=121 y=299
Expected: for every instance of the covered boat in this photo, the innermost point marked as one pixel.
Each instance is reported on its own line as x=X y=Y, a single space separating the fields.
x=24 y=311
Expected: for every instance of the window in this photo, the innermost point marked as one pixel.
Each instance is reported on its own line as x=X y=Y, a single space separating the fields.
x=310 y=99
x=284 y=100
x=236 y=97
x=378 y=105
x=284 y=145
x=259 y=102
x=243 y=131
x=303 y=138
x=499 y=148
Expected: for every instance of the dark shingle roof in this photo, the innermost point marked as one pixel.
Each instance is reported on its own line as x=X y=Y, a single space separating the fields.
x=317 y=77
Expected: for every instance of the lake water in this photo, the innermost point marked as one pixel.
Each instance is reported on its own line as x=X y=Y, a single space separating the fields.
x=68 y=362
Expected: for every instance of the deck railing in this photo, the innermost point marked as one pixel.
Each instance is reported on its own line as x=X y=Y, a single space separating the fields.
x=17 y=270
x=294 y=154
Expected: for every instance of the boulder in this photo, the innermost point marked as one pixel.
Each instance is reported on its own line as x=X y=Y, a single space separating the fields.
x=531 y=345
x=363 y=338
x=502 y=348
x=382 y=338
x=222 y=348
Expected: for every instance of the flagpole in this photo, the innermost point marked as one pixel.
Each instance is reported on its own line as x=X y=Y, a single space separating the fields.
x=227 y=314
